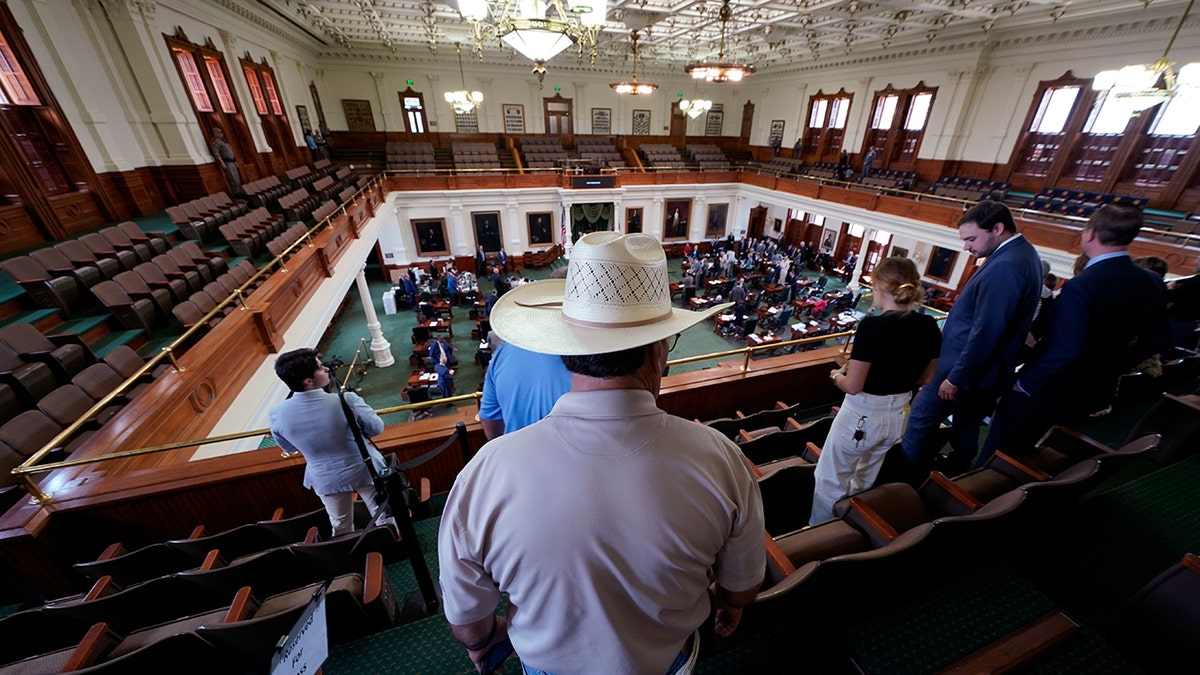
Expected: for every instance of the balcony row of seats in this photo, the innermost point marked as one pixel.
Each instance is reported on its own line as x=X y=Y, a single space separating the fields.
x=302 y=176
x=57 y=277
x=210 y=602
x=416 y=156
x=475 y=156
x=248 y=235
x=599 y=151
x=266 y=191
x=1079 y=203
x=199 y=218
x=894 y=519
x=662 y=155
x=43 y=393
x=823 y=170
x=328 y=187
x=784 y=165
x=144 y=301
x=708 y=157
x=543 y=152
x=970 y=189
x=891 y=179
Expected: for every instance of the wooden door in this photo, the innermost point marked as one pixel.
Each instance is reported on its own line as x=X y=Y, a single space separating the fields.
x=758 y=222
x=558 y=117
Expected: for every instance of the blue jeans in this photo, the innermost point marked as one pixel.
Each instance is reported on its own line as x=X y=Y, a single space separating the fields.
x=928 y=411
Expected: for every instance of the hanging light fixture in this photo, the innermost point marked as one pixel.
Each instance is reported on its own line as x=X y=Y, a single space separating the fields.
x=722 y=70
x=695 y=107
x=634 y=87
x=1144 y=86
x=463 y=101
x=530 y=28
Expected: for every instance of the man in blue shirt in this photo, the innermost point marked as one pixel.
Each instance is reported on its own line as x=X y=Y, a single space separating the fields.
x=520 y=388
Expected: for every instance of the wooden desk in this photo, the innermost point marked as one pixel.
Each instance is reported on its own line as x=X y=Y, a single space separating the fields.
x=438 y=326
x=422 y=378
x=803 y=330
x=764 y=339
x=723 y=320
x=699 y=303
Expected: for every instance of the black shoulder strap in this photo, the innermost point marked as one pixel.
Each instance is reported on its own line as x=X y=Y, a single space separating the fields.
x=358 y=437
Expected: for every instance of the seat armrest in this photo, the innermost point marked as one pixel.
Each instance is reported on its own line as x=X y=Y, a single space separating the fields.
x=1072 y=444
x=113 y=550
x=812 y=452
x=243 y=607
x=954 y=491
x=97 y=642
x=873 y=519
x=103 y=586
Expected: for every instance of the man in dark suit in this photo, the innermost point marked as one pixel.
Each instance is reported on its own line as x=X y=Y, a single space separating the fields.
x=1105 y=321
x=980 y=339
x=480 y=262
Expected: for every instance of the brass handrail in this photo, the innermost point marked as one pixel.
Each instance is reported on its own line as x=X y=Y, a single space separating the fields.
x=168 y=352
x=25 y=470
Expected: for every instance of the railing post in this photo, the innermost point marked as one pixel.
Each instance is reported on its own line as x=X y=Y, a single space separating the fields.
x=460 y=430
x=241 y=299
x=36 y=496
x=174 y=362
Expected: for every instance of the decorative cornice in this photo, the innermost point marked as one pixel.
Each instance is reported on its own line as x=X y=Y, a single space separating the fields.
x=242 y=9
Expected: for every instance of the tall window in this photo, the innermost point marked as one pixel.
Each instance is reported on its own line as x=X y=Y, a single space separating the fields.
x=897 y=127
x=260 y=79
x=192 y=80
x=827 y=115
x=216 y=73
x=1056 y=104
x=272 y=95
x=14 y=86
x=260 y=103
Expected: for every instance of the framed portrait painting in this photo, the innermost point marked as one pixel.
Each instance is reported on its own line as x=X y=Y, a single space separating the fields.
x=941 y=263
x=714 y=225
x=430 y=235
x=541 y=228
x=633 y=220
x=675 y=225
x=487 y=230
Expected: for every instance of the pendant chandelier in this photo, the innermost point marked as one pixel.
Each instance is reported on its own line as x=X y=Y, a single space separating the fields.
x=532 y=29
x=721 y=70
x=1144 y=86
x=634 y=87
x=463 y=101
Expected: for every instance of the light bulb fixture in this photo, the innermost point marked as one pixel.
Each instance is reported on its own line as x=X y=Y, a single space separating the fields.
x=1143 y=86
x=695 y=107
x=721 y=70
x=530 y=28
x=463 y=101
x=634 y=87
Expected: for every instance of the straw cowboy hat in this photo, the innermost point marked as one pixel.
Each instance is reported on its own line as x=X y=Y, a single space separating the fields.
x=616 y=296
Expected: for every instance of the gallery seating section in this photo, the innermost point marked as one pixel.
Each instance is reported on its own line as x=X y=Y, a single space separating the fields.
x=475 y=157
x=1079 y=203
x=662 y=156
x=121 y=285
x=970 y=189
x=409 y=157
x=543 y=152
x=218 y=601
x=600 y=151
x=708 y=157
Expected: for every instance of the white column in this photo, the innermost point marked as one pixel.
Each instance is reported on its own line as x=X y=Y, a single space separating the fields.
x=381 y=349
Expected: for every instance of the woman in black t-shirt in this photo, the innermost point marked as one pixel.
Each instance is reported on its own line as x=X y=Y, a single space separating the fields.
x=894 y=353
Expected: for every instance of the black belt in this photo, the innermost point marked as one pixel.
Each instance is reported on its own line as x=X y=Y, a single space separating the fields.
x=229 y=161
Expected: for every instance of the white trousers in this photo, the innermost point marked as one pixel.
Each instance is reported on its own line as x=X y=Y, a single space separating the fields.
x=847 y=465
x=340 y=507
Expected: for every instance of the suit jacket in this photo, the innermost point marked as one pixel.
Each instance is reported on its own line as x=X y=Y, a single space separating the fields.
x=1104 y=322
x=990 y=318
x=314 y=424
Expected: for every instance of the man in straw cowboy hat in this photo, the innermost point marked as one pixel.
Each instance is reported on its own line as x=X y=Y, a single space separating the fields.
x=603 y=520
